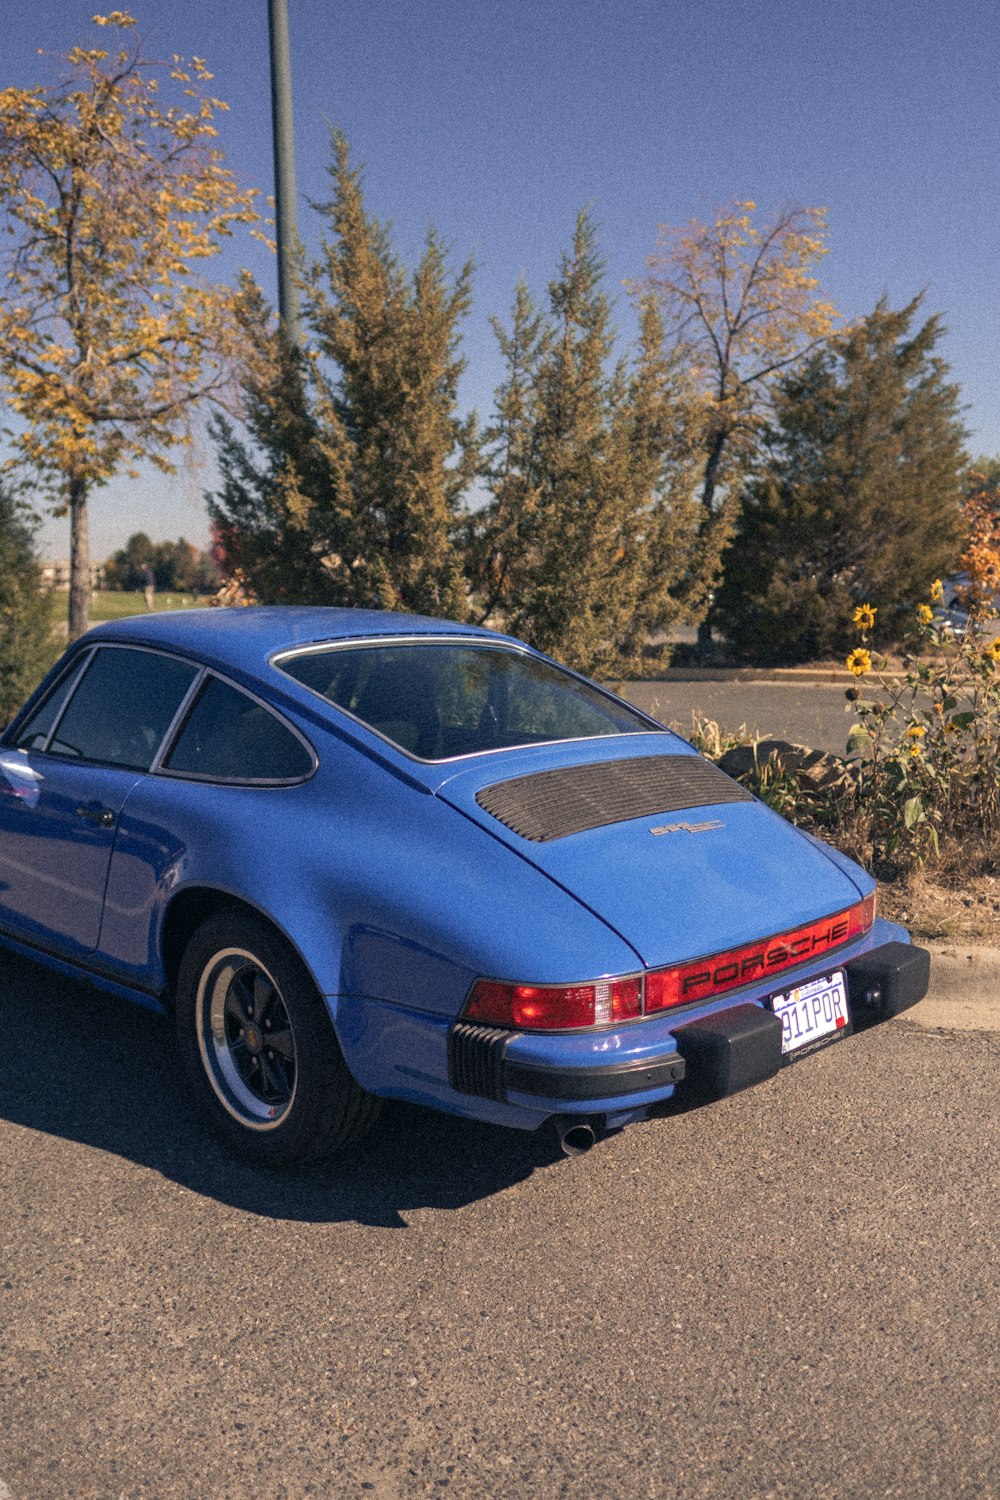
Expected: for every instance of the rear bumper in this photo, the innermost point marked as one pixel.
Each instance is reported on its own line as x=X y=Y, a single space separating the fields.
x=888 y=979
x=709 y=1057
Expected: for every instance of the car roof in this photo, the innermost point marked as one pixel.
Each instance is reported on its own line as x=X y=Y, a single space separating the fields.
x=249 y=637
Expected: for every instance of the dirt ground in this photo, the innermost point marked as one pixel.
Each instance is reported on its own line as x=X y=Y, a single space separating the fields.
x=935 y=910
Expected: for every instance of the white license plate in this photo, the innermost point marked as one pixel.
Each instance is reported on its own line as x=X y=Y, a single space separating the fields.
x=811 y=1011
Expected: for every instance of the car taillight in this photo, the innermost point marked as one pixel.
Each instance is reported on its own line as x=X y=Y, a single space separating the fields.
x=553 y=1007
x=567 y=1007
x=706 y=977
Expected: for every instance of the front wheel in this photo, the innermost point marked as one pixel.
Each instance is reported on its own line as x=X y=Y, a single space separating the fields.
x=258 y=1047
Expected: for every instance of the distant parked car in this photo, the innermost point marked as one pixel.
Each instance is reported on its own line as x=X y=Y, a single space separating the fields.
x=952 y=615
x=362 y=855
x=951 y=620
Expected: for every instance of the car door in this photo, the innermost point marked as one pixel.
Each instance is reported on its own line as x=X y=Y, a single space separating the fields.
x=64 y=781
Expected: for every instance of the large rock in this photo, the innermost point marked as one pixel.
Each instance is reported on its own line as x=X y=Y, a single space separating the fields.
x=814 y=770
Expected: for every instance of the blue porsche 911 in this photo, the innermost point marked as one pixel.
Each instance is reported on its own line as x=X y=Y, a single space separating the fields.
x=361 y=855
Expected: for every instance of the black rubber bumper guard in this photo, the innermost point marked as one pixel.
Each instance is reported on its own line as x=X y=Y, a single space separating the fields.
x=716 y=1055
x=478 y=1064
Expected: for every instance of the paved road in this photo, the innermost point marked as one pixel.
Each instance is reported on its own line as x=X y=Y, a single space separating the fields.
x=794 y=1292
x=809 y=714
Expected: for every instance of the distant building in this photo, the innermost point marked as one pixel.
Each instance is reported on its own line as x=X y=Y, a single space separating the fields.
x=55 y=575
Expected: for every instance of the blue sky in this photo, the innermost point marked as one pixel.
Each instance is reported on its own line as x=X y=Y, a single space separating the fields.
x=497 y=120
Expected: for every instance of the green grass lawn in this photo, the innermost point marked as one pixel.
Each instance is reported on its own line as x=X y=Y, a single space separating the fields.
x=110 y=604
x=115 y=604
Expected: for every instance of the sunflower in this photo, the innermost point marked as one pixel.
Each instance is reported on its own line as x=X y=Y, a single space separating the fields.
x=864 y=616
x=924 y=614
x=993 y=650
x=937 y=591
x=859 y=662
x=916 y=731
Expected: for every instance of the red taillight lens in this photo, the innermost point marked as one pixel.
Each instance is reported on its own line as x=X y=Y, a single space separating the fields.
x=715 y=975
x=566 y=1007
x=533 y=1007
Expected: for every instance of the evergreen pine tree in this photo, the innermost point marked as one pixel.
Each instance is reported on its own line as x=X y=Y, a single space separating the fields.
x=860 y=496
x=569 y=605
x=346 y=487
x=589 y=542
x=500 y=541
x=26 y=646
x=286 y=514
x=394 y=345
x=668 y=553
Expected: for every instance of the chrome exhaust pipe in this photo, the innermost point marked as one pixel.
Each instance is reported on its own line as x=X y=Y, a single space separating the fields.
x=576 y=1135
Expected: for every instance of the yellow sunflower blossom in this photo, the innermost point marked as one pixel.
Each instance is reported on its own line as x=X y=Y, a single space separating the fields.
x=937 y=591
x=951 y=727
x=993 y=650
x=864 y=616
x=916 y=731
x=915 y=749
x=859 y=662
x=924 y=614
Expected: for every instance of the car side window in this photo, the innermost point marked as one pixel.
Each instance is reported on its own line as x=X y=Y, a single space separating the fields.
x=35 y=730
x=229 y=736
x=123 y=707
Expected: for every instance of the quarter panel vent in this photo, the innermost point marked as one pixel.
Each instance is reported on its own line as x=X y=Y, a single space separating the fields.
x=553 y=804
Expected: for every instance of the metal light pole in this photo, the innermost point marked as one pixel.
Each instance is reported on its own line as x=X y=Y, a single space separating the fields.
x=284 y=171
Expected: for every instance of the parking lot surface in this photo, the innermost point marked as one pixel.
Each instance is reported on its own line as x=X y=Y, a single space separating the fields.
x=792 y=1292
x=808 y=713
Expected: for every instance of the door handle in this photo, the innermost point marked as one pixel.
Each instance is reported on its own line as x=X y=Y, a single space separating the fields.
x=94 y=813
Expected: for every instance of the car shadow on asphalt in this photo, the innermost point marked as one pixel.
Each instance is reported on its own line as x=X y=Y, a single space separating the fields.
x=80 y=1064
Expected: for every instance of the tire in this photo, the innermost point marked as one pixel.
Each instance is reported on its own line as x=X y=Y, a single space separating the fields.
x=258 y=1047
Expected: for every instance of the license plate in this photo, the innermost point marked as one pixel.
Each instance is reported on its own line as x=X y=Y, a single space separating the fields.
x=811 y=1011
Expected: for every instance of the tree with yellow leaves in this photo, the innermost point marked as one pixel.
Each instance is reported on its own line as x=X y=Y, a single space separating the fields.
x=111 y=193
x=980 y=559
x=741 y=302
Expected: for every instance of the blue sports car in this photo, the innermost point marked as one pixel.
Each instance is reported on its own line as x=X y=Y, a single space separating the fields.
x=361 y=855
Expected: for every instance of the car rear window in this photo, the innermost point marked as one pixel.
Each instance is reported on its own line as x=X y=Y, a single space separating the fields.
x=436 y=700
x=229 y=736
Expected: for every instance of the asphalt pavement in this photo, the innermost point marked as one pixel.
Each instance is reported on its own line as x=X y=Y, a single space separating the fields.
x=790 y=1293
x=803 y=710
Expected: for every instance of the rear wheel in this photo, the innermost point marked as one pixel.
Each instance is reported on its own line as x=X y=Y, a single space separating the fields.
x=258 y=1046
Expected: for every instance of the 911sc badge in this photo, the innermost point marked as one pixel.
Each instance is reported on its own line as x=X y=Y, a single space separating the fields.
x=688 y=827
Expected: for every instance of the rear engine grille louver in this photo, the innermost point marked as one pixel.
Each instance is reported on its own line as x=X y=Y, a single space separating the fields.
x=552 y=804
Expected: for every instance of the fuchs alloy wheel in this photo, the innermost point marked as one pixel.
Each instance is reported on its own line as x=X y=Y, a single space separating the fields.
x=259 y=1048
x=246 y=1040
